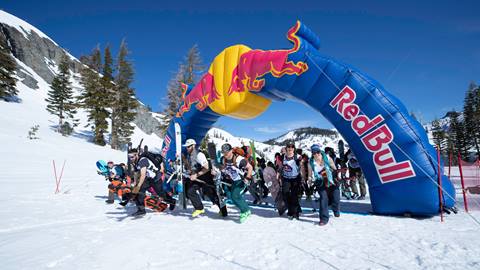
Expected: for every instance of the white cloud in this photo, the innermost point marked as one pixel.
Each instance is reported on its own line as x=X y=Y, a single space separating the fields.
x=267 y=130
x=285 y=127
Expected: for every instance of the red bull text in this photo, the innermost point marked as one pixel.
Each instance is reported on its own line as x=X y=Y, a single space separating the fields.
x=376 y=141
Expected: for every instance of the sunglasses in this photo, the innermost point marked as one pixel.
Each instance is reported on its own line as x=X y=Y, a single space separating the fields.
x=291 y=146
x=316 y=152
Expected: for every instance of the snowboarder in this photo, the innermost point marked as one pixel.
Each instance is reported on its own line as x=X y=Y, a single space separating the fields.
x=239 y=171
x=115 y=174
x=199 y=170
x=150 y=176
x=320 y=172
x=291 y=180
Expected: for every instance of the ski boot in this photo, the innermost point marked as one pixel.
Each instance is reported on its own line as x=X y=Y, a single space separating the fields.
x=197 y=212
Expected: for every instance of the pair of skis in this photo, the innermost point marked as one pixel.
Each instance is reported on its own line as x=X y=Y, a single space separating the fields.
x=179 y=165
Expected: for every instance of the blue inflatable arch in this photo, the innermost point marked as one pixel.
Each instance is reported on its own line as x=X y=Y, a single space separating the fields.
x=396 y=157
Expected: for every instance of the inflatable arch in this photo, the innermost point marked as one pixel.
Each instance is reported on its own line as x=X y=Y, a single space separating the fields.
x=398 y=162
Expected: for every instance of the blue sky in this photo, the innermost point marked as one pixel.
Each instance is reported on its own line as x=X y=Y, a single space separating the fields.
x=424 y=52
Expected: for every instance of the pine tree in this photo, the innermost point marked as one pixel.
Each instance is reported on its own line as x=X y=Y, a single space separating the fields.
x=204 y=143
x=94 y=98
x=471 y=115
x=174 y=97
x=107 y=79
x=188 y=73
x=457 y=129
x=7 y=71
x=438 y=134
x=124 y=103
x=60 y=98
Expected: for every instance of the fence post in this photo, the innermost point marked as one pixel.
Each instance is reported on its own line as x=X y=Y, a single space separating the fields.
x=463 y=183
x=440 y=195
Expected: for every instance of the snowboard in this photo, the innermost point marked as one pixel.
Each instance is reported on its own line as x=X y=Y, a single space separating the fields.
x=212 y=153
x=271 y=181
x=155 y=203
x=103 y=168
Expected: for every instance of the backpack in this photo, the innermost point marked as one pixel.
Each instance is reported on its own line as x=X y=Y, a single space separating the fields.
x=156 y=159
x=245 y=152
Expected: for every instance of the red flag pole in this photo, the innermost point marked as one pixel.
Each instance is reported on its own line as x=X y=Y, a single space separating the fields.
x=463 y=183
x=60 y=179
x=56 y=179
x=440 y=185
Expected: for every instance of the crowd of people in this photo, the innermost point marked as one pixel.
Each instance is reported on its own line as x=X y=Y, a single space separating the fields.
x=290 y=175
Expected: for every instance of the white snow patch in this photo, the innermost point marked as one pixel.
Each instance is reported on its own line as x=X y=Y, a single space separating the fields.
x=21 y=25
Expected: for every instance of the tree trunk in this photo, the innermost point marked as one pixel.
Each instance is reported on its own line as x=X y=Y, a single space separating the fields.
x=114 y=135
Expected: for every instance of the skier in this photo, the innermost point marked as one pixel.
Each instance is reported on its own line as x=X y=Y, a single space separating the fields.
x=150 y=176
x=291 y=180
x=200 y=178
x=239 y=171
x=356 y=175
x=320 y=172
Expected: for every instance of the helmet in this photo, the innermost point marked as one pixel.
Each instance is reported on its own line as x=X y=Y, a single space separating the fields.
x=315 y=148
x=226 y=147
x=190 y=142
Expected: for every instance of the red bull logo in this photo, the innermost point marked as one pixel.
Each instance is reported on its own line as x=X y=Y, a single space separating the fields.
x=238 y=69
x=257 y=63
x=203 y=94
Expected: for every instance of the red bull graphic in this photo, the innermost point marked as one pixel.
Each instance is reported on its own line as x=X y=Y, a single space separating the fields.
x=204 y=93
x=257 y=63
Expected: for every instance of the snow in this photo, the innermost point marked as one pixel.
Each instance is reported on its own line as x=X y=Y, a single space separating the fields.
x=21 y=25
x=75 y=229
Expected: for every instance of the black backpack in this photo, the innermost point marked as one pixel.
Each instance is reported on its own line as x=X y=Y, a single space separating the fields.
x=156 y=159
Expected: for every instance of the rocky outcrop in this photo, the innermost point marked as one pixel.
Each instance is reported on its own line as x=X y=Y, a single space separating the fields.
x=146 y=122
x=38 y=53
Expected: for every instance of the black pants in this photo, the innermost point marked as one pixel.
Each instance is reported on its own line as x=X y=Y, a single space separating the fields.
x=328 y=196
x=290 y=191
x=156 y=183
x=209 y=190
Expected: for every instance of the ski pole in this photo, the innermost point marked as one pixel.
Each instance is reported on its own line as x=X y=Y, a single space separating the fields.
x=463 y=183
